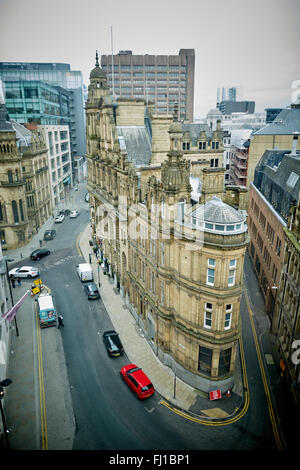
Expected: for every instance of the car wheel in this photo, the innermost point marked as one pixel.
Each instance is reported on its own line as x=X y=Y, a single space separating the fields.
x=48 y=253
x=122 y=377
x=12 y=276
x=136 y=395
x=37 y=258
x=29 y=276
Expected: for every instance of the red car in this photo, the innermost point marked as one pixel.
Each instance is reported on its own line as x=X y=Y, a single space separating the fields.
x=137 y=380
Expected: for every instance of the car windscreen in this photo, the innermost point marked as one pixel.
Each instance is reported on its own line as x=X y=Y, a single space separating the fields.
x=147 y=387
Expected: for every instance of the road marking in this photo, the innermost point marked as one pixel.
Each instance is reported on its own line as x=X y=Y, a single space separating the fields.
x=224 y=422
x=151 y=409
x=278 y=440
x=44 y=436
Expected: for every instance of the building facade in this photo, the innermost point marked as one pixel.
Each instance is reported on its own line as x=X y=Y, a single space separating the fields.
x=287 y=306
x=69 y=86
x=276 y=135
x=272 y=195
x=25 y=202
x=163 y=79
x=178 y=265
x=228 y=107
x=59 y=162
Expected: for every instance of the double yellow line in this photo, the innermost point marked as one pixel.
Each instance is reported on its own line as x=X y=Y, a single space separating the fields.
x=278 y=440
x=242 y=412
x=44 y=437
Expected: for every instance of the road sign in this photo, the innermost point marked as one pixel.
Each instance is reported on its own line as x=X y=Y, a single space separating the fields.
x=215 y=394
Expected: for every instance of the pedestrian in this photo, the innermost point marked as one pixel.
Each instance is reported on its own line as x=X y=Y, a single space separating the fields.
x=13 y=282
x=60 y=321
x=19 y=281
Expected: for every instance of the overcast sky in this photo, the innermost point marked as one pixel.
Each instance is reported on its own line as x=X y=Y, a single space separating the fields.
x=254 y=44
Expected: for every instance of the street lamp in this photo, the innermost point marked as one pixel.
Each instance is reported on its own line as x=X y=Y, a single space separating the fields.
x=11 y=296
x=4 y=383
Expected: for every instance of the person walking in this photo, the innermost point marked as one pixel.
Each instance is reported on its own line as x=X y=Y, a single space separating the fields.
x=19 y=281
x=13 y=282
x=60 y=321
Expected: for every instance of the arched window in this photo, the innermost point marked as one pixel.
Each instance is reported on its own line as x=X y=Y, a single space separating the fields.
x=15 y=211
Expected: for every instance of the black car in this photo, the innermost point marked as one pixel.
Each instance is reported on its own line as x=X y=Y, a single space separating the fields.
x=91 y=291
x=113 y=344
x=49 y=234
x=40 y=253
x=65 y=212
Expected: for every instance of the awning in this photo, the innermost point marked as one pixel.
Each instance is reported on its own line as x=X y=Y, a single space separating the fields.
x=67 y=180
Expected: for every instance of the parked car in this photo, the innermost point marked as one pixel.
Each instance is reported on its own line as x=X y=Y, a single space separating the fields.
x=64 y=212
x=40 y=253
x=137 y=381
x=112 y=343
x=59 y=219
x=76 y=189
x=24 y=271
x=49 y=234
x=74 y=214
x=87 y=197
x=91 y=291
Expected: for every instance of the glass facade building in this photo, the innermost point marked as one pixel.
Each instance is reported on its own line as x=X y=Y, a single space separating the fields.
x=36 y=101
x=52 y=75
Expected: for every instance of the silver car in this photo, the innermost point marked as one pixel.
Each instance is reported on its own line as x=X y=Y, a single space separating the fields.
x=24 y=271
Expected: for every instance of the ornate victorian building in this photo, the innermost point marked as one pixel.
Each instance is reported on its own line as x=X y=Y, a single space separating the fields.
x=25 y=202
x=178 y=262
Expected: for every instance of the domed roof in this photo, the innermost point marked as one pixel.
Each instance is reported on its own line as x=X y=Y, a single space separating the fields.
x=216 y=211
x=175 y=127
x=97 y=72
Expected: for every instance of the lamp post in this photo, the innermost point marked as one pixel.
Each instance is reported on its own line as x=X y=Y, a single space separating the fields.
x=10 y=291
x=4 y=383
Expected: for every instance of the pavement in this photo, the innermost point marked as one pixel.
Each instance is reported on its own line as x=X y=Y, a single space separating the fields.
x=22 y=408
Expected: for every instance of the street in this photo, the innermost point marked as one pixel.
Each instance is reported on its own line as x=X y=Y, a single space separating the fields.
x=87 y=406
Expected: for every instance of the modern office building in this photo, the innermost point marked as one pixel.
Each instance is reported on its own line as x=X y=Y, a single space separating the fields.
x=57 y=139
x=226 y=94
x=60 y=75
x=228 y=107
x=163 y=79
x=36 y=101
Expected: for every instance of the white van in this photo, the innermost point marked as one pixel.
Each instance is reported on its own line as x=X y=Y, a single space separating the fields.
x=46 y=311
x=85 y=272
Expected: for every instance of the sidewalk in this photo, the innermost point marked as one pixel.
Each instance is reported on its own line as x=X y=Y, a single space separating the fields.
x=139 y=352
x=24 y=252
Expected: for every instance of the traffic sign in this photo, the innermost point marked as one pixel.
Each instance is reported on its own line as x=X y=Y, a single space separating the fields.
x=215 y=394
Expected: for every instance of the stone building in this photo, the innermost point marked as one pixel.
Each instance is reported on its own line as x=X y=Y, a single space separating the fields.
x=178 y=263
x=272 y=194
x=286 y=323
x=25 y=202
x=14 y=225
x=276 y=135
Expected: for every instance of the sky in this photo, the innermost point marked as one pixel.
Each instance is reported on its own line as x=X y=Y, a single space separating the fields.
x=252 y=44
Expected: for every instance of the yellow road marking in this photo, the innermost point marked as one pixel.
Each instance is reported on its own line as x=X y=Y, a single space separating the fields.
x=264 y=378
x=216 y=422
x=41 y=384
